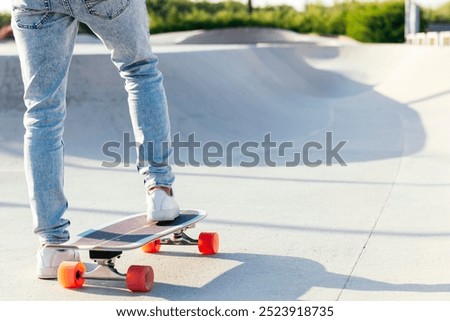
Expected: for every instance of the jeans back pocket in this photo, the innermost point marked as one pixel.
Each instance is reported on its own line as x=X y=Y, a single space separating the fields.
x=106 y=9
x=32 y=14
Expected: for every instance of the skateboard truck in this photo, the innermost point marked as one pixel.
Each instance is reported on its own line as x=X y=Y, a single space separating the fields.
x=179 y=238
x=104 y=269
x=208 y=243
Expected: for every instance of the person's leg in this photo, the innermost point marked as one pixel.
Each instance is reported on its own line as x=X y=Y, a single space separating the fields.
x=123 y=26
x=45 y=41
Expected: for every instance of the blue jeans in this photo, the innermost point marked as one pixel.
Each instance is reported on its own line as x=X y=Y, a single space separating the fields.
x=45 y=32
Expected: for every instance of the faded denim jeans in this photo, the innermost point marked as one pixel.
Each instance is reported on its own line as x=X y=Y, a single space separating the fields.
x=45 y=32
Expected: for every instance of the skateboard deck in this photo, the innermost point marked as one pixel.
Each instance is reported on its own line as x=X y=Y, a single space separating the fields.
x=130 y=232
x=107 y=242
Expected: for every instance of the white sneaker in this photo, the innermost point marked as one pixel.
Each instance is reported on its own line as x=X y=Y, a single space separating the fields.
x=161 y=205
x=49 y=259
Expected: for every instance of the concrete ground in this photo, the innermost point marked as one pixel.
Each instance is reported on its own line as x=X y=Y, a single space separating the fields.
x=376 y=229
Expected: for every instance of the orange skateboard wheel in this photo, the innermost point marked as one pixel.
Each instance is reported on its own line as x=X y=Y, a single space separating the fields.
x=140 y=278
x=152 y=247
x=70 y=274
x=208 y=243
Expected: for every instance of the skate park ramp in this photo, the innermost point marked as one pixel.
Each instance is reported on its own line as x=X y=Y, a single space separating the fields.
x=374 y=229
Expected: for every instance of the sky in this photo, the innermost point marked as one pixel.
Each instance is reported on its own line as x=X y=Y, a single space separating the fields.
x=298 y=4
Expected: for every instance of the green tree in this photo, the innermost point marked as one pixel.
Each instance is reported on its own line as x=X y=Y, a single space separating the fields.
x=376 y=22
x=5 y=19
x=440 y=14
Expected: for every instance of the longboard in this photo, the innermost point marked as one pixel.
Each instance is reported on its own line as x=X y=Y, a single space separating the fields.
x=107 y=242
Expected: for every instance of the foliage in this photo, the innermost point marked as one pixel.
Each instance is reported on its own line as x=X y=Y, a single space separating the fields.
x=368 y=22
x=439 y=15
x=377 y=22
x=5 y=19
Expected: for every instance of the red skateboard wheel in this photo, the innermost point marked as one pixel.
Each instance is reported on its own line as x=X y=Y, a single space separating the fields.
x=208 y=243
x=140 y=278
